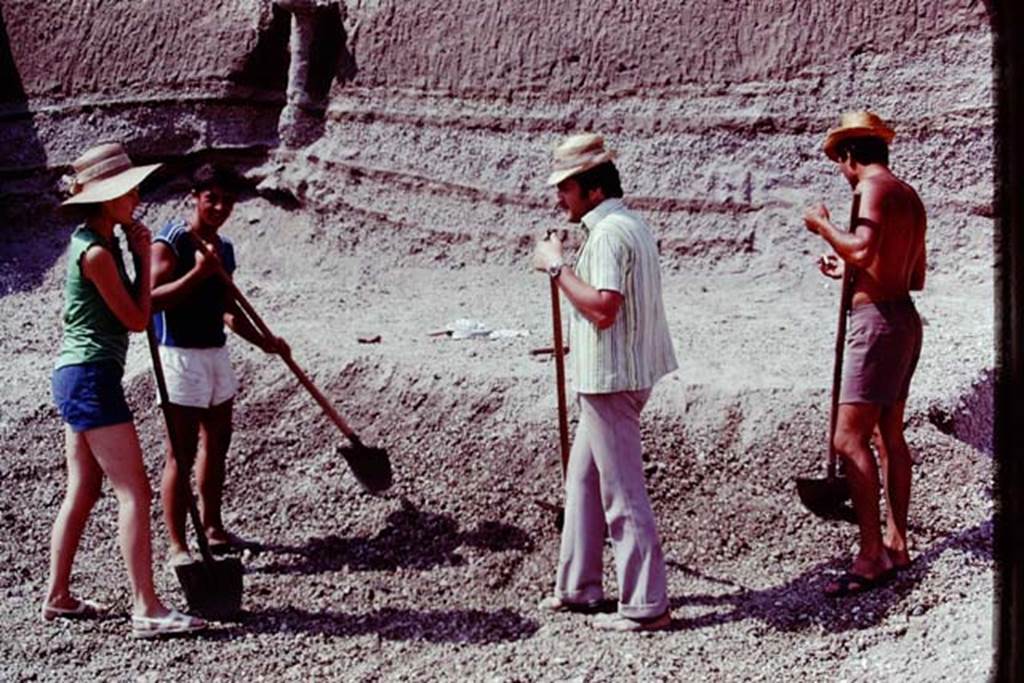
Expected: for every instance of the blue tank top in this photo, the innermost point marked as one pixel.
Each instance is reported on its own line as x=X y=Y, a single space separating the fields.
x=198 y=321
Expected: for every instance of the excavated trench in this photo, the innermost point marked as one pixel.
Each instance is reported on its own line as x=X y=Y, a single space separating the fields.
x=396 y=154
x=459 y=549
x=970 y=416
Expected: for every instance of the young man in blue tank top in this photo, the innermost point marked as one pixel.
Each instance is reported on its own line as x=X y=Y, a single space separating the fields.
x=192 y=306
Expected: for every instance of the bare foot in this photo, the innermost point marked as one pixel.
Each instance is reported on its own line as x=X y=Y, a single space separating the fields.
x=224 y=542
x=179 y=557
x=900 y=558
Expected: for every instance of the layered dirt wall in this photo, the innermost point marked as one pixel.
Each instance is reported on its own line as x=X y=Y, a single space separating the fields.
x=114 y=48
x=168 y=78
x=717 y=109
x=601 y=46
x=442 y=134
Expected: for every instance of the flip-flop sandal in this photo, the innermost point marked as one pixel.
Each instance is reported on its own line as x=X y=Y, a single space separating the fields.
x=83 y=609
x=852 y=584
x=172 y=624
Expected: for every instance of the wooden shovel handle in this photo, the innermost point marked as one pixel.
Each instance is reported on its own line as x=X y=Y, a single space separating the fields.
x=845 y=298
x=304 y=379
x=559 y=352
x=172 y=437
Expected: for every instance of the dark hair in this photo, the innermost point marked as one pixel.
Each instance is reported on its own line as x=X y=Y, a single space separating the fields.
x=211 y=175
x=864 y=151
x=604 y=176
x=80 y=213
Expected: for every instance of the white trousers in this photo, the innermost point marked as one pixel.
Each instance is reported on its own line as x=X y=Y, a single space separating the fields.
x=604 y=485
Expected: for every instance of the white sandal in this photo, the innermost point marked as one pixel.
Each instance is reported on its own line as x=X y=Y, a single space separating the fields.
x=83 y=609
x=173 y=623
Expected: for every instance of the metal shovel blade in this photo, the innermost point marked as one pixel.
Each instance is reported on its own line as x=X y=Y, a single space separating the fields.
x=213 y=588
x=558 y=510
x=827 y=498
x=370 y=466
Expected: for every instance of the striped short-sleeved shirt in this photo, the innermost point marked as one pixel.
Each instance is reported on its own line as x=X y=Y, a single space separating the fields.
x=620 y=254
x=197 y=322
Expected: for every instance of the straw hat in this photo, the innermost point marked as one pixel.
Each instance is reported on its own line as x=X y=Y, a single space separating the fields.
x=857 y=124
x=105 y=172
x=578 y=153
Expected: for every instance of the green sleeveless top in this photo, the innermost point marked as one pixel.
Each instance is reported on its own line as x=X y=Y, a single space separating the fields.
x=92 y=332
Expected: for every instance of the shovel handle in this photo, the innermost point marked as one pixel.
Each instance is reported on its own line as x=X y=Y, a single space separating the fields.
x=547 y=351
x=183 y=475
x=559 y=353
x=845 y=298
x=303 y=378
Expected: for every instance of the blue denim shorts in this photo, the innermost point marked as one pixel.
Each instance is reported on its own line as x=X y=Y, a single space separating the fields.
x=90 y=395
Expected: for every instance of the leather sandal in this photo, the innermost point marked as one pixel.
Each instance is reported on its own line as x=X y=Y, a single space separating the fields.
x=851 y=583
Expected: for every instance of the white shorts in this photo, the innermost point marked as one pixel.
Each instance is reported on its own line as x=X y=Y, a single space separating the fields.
x=199 y=378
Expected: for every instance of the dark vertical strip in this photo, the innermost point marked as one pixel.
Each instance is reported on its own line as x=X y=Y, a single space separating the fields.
x=1008 y=42
x=11 y=88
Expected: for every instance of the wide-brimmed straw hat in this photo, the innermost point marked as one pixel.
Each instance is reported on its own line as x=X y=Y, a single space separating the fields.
x=856 y=124
x=105 y=172
x=578 y=153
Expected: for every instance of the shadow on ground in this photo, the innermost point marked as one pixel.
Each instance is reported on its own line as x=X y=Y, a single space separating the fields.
x=452 y=626
x=412 y=539
x=799 y=603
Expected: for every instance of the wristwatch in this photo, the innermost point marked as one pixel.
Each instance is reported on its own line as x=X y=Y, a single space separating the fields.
x=555 y=269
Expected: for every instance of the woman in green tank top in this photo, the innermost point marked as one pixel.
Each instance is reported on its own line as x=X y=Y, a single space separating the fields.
x=101 y=307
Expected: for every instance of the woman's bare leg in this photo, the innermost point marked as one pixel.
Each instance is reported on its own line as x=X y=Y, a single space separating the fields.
x=85 y=480
x=116 y=449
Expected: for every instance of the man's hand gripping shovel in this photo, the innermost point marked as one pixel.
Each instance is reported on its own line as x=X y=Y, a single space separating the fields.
x=827 y=497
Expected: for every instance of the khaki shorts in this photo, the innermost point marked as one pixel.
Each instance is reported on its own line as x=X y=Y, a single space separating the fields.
x=883 y=345
x=198 y=378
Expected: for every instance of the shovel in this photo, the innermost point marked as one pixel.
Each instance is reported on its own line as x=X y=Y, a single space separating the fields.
x=827 y=497
x=370 y=466
x=563 y=416
x=213 y=587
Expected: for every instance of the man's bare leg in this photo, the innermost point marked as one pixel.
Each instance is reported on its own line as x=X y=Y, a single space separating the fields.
x=894 y=458
x=211 y=468
x=184 y=421
x=852 y=441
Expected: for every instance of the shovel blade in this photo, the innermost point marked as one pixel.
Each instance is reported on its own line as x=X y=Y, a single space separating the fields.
x=558 y=510
x=370 y=466
x=212 y=589
x=827 y=498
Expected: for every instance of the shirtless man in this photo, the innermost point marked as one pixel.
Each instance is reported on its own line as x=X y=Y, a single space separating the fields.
x=887 y=252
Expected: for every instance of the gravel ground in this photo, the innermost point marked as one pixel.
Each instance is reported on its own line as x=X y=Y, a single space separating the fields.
x=438 y=579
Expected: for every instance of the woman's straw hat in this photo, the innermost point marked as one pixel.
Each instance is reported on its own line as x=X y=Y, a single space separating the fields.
x=105 y=172
x=578 y=153
x=857 y=124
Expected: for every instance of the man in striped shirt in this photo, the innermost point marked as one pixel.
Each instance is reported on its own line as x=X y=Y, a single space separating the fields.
x=620 y=347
